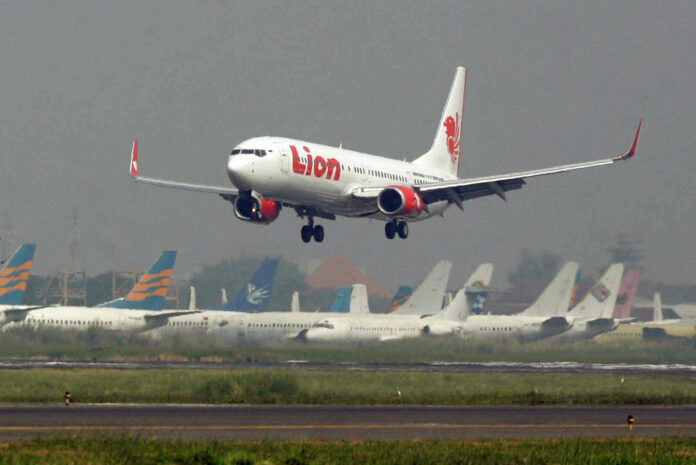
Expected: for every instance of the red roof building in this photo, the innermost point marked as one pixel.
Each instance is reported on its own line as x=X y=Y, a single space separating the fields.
x=338 y=271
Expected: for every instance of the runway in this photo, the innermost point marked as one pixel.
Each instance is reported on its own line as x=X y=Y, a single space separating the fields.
x=447 y=367
x=199 y=422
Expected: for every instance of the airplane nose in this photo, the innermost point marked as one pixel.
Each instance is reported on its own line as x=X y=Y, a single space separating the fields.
x=239 y=170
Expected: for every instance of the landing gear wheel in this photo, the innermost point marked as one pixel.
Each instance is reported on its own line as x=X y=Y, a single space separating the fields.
x=306 y=233
x=402 y=229
x=390 y=230
x=318 y=233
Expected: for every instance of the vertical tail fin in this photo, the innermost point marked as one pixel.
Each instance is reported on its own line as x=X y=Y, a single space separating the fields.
x=254 y=297
x=151 y=291
x=295 y=304
x=555 y=298
x=401 y=296
x=599 y=302
x=15 y=276
x=358 y=299
x=627 y=295
x=460 y=307
x=192 y=299
x=574 y=292
x=445 y=151
x=427 y=297
x=341 y=302
x=657 y=307
x=223 y=296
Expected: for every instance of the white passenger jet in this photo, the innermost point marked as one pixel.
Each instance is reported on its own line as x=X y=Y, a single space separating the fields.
x=318 y=181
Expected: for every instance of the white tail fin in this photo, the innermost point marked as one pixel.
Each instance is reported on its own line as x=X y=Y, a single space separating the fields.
x=555 y=298
x=657 y=307
x=427 y=298
x=358 y=299
x=460 y=307
x=600 y=301
x=192 y=300
x=445 y=151
x=295 y=304
x=223 y=296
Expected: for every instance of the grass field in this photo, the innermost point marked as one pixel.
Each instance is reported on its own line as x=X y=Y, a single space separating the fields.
x=94 y=344
x=133 y=450
x=253 y=386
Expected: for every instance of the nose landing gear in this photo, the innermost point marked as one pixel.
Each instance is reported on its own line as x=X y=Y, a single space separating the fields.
x=394 y=227
x=311 y=230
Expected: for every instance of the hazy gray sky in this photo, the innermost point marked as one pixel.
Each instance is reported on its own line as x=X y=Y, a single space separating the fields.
x=548 y=83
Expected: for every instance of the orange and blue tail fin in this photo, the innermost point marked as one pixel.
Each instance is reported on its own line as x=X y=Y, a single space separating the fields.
x=150 y=292
x=400 y=298
x=15 y=276
x=256 y=294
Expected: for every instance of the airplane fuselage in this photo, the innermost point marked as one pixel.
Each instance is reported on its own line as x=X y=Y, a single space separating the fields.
x=314 y=175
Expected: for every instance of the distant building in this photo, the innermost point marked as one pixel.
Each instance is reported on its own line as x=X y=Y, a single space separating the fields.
x=337 y=271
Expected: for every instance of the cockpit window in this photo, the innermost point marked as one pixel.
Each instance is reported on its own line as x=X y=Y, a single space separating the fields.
x=257 y=152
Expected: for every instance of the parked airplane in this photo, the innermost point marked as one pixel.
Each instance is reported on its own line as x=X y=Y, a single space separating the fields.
x=318 y=181
x=146 y=298
x=356 y=328
x=14 y=278
x=240 y=328
x=658 y=328
x=593 y=315
x=544 y=318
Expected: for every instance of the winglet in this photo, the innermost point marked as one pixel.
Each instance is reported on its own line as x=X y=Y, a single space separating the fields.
x=631 y=152
x=134 y=159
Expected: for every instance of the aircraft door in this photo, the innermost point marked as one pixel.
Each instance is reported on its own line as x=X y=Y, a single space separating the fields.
x=284 y=158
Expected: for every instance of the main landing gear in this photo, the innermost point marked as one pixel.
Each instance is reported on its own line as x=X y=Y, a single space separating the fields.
x=394 y=227
x=310 y=231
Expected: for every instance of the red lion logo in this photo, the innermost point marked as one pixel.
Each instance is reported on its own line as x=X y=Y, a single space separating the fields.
x=452 y=130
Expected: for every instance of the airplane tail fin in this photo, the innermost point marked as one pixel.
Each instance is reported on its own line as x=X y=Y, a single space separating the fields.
x=599 y=302
x=256 y=294
x=574 y=292
x=295 y=304
x=657 y=307
x=460 y=307
x=555 y=298
x=444 y=154
x=151 y=291
x=358 y=299
x=223 y=296
x=192 y=299
x=427 y=297
x=15 y=276
x=401 y=296
x=341 y=302
x=627 y=295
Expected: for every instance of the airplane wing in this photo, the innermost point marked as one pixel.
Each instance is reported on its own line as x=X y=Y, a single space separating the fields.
x=226 y=192
x=466 y=189
x=158 y=319
x=459 y=190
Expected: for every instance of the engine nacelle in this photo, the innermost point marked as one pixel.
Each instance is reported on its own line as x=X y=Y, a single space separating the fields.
x=400 y=201
x=439 y=328
x=252 y=207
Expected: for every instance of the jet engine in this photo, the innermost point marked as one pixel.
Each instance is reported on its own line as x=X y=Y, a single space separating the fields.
x=400 y=201
x=253 y=207
x=439 y=328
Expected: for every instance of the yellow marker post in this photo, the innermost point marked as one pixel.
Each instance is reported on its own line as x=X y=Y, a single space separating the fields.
x=630 y=420
x=68 y=398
